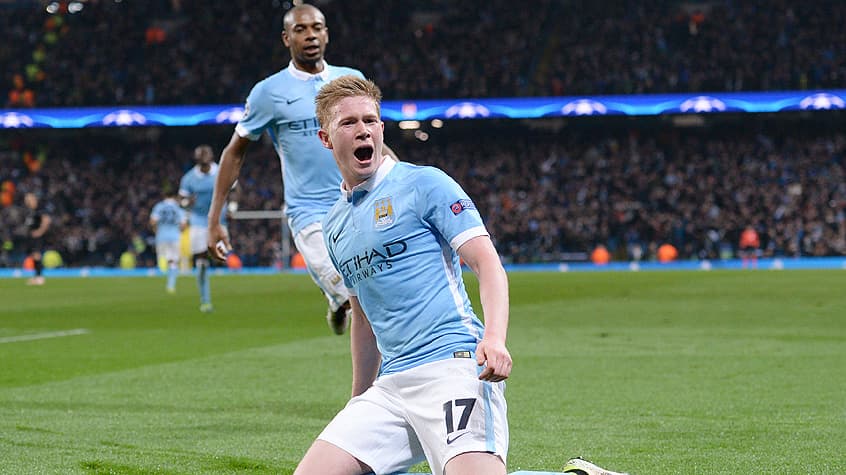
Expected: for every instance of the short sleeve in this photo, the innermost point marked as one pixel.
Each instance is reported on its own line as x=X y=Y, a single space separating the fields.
x=185 y=186
x=448 y=208
x=258 y=113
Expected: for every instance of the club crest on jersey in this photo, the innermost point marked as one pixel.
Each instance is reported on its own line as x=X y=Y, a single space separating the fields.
x=383 y=213
x=460 y=206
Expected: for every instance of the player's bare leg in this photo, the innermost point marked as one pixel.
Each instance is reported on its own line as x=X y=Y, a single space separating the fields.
x=324 y=458
x=472 y=463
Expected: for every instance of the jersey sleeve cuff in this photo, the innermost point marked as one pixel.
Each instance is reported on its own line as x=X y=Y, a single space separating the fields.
x=243 y=132
x=467 y=235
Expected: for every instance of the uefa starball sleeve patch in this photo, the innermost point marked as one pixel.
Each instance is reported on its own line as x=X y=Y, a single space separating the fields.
x=460 y=206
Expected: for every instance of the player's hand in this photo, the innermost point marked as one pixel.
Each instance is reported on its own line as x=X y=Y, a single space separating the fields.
x=496 y=359
x=218 y=245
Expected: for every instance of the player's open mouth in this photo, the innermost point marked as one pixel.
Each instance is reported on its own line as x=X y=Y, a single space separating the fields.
x=363 y=153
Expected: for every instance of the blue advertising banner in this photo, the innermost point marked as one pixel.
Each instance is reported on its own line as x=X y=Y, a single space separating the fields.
x=511 y=108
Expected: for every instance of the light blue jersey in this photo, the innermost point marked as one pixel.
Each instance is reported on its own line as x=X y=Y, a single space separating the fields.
x=169 y=218
x=395 y=247
x=201 y=186
x=283 y=104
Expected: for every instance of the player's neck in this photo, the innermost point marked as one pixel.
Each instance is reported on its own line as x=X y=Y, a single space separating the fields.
x=311 y=68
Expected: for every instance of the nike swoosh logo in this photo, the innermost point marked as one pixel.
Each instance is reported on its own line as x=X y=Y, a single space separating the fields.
x=335 y=237
x=291 y=101
x=453 y=439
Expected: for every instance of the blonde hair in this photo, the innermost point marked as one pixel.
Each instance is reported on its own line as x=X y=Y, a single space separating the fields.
x=341 y=88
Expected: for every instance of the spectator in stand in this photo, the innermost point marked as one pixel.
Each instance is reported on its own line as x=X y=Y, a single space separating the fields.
x=162 y=52
x=545 y=197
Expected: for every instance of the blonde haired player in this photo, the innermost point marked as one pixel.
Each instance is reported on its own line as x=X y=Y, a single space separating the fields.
x=428 y=376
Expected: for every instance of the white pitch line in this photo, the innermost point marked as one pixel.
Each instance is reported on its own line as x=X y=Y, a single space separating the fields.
x=42 y=336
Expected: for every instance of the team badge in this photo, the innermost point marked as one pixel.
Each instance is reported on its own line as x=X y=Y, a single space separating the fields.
x=460 y=206
x=383 y=213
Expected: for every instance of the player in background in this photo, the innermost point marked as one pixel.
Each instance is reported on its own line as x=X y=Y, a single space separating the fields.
x=283 y=105
x=428 y=376
x=168 y=220
x=749 y=246
x=195 y=193
x=36 y=223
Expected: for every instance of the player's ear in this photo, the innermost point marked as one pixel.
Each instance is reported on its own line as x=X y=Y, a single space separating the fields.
x=325 y=139
x=285 y=39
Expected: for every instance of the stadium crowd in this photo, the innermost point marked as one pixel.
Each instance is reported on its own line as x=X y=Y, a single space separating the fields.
x=192 y=52
x=545 y=197
x=100 y=190
x=632 y=191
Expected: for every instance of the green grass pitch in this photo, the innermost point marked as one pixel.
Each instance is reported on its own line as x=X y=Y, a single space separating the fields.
x=653 y=373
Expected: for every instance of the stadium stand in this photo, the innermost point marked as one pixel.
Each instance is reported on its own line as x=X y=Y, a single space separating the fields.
x=547 y=196
x=191 y=52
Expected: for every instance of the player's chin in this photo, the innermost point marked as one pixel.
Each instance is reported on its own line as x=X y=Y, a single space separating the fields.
x=313 y=54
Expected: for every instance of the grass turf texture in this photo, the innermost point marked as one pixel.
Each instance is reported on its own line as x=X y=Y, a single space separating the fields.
x=653 y=373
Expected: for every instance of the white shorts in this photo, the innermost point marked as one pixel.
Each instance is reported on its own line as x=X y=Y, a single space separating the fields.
x=310 y=244
x=168 y=251
x=200 y=239
x=433 y=412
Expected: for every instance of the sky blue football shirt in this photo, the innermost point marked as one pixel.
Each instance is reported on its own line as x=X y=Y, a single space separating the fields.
x=283 y=104
x=201 y=186
x=395 y=247
x=168 y=216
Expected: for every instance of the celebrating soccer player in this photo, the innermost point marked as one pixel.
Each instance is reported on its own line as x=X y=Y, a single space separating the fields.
x=428 y=376
x=283 y=104
x=195 y=191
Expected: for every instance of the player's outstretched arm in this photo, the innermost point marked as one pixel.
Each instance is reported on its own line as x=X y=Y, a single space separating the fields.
x=480 y=255
x=231 y=160
x=365 y=355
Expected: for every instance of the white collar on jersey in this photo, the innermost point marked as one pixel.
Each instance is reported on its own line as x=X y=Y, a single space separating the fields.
x=362 y=188
x=304 y=76
x=200 y=173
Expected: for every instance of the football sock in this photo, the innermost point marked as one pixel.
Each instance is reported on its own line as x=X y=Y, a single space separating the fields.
x=203 y=280
x=172 y=270
x=39 y=266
